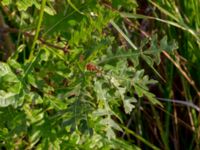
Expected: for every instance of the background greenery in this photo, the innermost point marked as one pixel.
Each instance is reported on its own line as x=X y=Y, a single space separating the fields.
x=99 y=74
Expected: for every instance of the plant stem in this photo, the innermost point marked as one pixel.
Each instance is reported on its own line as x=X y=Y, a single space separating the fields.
x=38 y=29
x=140 y=138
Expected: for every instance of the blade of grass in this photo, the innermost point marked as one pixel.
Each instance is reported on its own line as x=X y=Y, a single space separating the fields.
x=31 y=64
x=124 y=35
x=168 y=92
x=164 y=11
x=140 y=138
x=175 y=24
x=74 y=7
x=160 y=128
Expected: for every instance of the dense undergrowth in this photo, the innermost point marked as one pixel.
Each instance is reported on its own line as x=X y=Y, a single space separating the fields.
x=105 y=74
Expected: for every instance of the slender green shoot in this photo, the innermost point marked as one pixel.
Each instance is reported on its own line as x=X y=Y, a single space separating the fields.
x=124 y=35
x=141 y=138
x=38 y=29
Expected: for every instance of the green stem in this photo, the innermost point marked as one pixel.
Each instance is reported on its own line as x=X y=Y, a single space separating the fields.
x=141 y=138
x=38 y=29
x=124 y=35
x=160 y=128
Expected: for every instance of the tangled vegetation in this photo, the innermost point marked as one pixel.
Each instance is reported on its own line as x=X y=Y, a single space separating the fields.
x=99 y=74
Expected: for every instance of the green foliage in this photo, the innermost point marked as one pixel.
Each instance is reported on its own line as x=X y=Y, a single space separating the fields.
x=74 y=99
x=10 y=86
x=23 y=5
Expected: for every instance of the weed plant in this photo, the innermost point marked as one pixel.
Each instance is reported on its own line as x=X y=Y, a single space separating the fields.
x=99 y=74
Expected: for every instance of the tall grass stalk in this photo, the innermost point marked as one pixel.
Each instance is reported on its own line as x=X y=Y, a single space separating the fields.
x=37 y=30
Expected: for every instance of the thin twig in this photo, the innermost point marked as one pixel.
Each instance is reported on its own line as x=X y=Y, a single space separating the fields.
x=187 y=103
x=190 y=81
x=7 y=42
x=43 y=41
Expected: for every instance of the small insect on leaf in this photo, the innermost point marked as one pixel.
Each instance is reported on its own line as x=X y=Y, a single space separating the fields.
x=91 y=67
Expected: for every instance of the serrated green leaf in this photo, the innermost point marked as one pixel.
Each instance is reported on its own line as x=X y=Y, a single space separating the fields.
x=128 y=106
x=151 y=98
x=148 y=60
x=100 y=112
x=23 y=5
x=109 y=122
x=122 y=91
x=101 y=93
x=164 y=45
x=110 y=133
x=139 y=90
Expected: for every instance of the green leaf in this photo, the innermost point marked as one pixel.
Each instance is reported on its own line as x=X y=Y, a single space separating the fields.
x=139 y=90
x=122 y=92
x=100 y=112
x=7 y=98
x=164 y=45
x=128 y=106
x=143 y=92
x=109 y=122
x=10 y=86
x=148 y=60
x=74 y=7
x=49 y=10
x=110 y=133
x=6 y=2
x=23 y=5
x=101 y=92
x=151 y=98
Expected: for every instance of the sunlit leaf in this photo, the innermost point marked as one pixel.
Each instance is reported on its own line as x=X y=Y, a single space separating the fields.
x=6 y=2
x=24 y=4
x=128 y=104
x=10 y=86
